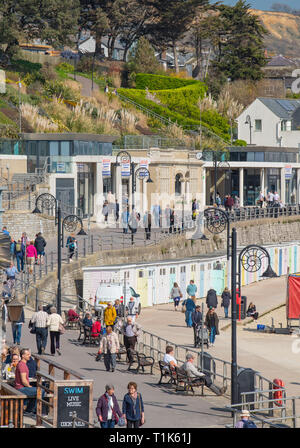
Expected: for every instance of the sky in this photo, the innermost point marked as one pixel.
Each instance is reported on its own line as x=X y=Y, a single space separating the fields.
x=266 y=4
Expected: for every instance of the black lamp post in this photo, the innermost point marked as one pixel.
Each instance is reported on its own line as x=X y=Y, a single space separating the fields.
x=70 y=223
x=141 y=173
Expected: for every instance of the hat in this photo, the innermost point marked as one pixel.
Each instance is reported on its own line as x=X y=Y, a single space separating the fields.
x=245 y=413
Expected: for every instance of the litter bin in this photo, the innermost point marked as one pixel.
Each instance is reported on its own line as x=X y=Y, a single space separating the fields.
x=209 y=365
x=243 y=307
x=246 y=383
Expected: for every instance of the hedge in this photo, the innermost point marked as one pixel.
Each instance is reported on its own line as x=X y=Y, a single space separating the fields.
x=160 y=82
x=138 y=96
x=180 y=105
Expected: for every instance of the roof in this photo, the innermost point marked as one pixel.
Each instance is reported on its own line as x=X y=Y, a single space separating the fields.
x=283 y=108
x=280 y=61
x=70 y=136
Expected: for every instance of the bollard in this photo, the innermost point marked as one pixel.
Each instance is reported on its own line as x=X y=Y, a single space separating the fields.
x=40 y=270
x=36 y=299
x=52 y=265
x=46 y=265
x=92 y=244
x=34 y=273
x=84 y=247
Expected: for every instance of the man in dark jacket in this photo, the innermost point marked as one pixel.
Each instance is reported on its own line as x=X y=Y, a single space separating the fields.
x=196 y=319
x=40 y=245
x=211 y=299
x=226 y=297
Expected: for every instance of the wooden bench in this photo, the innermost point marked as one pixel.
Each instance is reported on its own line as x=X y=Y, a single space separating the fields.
x=185 y=383
x=142 y=361
x=166 y=373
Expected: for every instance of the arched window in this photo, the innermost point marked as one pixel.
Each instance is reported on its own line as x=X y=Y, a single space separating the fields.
x=178 y=178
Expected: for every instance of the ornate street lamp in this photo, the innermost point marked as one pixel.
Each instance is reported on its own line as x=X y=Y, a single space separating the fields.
x=70 y=223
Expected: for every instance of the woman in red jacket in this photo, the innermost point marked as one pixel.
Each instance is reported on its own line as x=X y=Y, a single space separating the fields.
x=96 y=328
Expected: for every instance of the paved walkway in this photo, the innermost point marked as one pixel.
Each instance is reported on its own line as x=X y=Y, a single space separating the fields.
x=164 y=408
x=270 y=354
x=86 y=86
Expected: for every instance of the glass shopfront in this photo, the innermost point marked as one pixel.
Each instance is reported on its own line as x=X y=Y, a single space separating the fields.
x=85 y=188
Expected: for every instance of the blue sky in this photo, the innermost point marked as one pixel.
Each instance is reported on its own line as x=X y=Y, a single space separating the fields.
x=266 y=4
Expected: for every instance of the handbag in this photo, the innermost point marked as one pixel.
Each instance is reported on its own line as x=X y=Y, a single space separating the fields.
x=140 y=422
x=61 y=329
x=183 y=309
x=121 y=421
x=32 y=328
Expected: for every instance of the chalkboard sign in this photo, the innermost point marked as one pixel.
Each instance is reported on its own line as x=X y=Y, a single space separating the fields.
x=72 y=398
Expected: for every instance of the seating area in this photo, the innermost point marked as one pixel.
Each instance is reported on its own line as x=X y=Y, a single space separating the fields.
x=185 y=383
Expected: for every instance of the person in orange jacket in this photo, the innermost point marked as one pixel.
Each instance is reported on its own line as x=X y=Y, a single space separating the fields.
x=110 y=315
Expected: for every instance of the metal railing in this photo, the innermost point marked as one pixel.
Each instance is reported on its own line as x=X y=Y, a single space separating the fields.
x=219 y=369
x=286 y=407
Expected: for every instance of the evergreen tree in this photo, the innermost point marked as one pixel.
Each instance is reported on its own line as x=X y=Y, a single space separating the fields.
x=52 y=21
x=142 y=59
x=173 y=20
x=240 y=48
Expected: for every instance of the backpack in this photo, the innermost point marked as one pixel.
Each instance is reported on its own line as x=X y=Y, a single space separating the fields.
x=249 y=424
x=18 y=247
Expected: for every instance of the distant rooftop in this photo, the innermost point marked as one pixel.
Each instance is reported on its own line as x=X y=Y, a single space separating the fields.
x=283 y=108
x=281 y=61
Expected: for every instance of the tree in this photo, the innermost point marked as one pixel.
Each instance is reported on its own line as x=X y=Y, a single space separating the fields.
x=240 y=47
x=173 y=19
x=142 y=59
x=52 y=21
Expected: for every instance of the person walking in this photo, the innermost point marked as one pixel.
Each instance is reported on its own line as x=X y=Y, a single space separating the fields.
x=20 y=254
x=133 y=407
x=226 y=297
x=110 y=315
x=176 y=295
x=108 y=410
x=261 y=199
x=105 y=211
x=189 y=305
x=212 y=323
x=147 y=224
x=109 y=346
x=196 y=321
x=191 y=290
x=39 y=319
x=31 y=256
x=211 y=298
x=12 y=250
x=54 y=322
x=40 y=244
x=16 y=328
x=117 y=210
x=72 y=246
x=131 y=332
x=125 y=219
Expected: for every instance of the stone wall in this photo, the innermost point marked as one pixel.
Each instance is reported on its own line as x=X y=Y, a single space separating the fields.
x=22 y=221
x=264 y=231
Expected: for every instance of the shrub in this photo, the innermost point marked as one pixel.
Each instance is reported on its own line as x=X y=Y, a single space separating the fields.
x=240 y=143
x=48 y=72
x=66 y=67
x=59 y=90
x=23 y=66
x=158 y=82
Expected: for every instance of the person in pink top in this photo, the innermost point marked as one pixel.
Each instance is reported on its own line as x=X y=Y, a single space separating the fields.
x=31 y=256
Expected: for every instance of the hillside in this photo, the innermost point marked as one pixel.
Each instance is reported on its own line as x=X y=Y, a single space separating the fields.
x=284 y=29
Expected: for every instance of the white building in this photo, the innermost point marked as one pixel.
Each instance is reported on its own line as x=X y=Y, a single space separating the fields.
x=271 y=122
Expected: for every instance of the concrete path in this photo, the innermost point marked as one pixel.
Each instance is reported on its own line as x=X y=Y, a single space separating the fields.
x=273 y=355
x=86 y=86
x=164 y=408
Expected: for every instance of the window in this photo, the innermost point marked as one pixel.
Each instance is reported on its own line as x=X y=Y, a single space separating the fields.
x=162 y=272
x=65 y=148
x=141 y=274
x=172 y=270
x=182 y=269
x=258 y=125
x=286 y=125
x=193 y=268
x=178 y=184
x=250 y=156
x=259 y=156
x=54 y=148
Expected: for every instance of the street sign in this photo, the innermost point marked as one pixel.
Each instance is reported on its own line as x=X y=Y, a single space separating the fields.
x=288 y=171
x=106 y=167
